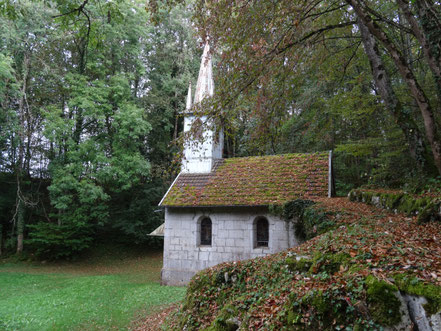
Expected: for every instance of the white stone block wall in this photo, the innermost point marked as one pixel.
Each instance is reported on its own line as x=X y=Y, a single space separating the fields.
x=233 y=238
x=199 y=155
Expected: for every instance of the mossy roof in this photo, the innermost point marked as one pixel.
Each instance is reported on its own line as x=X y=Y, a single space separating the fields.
x=253 y=181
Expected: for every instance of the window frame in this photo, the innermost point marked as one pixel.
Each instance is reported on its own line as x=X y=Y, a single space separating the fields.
x=200 y=240
x=261 y=243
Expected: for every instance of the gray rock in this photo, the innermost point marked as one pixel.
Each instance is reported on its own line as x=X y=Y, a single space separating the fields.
x=302 y=257
x=435 y=321
x=376 y=201
x=232 y=323
x=414 y=316
x=419 y=316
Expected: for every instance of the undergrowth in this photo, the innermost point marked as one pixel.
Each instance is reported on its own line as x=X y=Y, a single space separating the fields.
x=344 y=279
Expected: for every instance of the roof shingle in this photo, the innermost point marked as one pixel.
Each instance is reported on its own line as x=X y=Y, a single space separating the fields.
x=253 y=181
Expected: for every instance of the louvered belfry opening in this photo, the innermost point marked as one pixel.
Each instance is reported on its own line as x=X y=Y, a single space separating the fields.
x=206 y=232
x=262 y=232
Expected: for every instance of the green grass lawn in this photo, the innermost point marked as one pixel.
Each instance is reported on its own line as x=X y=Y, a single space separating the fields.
x=91 y=294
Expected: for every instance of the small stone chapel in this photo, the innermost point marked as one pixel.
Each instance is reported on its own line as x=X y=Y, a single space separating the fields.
x=217 y=210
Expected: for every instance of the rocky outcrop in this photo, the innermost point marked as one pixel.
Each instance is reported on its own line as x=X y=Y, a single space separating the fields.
x=419 y=316
x=427 y=208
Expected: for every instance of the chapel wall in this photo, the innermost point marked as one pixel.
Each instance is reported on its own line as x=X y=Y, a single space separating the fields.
x=233 y=238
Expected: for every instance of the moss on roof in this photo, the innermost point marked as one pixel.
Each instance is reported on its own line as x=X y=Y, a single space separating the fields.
x=253 y=181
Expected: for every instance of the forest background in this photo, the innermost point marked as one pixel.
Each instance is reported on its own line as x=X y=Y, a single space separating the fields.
x=92 y=93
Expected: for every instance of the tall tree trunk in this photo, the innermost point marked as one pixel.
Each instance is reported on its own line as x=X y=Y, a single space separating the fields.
x=176 y=117
x=19 y=166
x=429 y=36
x=412 y=134
x=430 y=20
x=20 y=225
x=78 y=126
x=22 y=117
x=175 y=129
x=432 y=131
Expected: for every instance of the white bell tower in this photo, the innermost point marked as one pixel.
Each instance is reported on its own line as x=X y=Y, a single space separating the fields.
x=200 y=153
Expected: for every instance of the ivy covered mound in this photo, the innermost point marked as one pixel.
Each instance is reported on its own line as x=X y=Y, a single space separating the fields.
x=355 y=276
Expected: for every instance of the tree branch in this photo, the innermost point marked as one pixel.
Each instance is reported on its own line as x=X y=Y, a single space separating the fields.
x=388 y=21
x=311 y=34
x=79 y=10
x=432 y=131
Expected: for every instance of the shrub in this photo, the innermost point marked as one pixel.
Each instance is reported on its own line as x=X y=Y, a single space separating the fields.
x=53 y=241
x=309 y=221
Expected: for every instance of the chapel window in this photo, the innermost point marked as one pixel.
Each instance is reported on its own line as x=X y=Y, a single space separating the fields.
x=262 y=232
x=205 y=232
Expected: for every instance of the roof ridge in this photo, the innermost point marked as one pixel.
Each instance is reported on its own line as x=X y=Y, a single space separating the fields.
x=273 y=155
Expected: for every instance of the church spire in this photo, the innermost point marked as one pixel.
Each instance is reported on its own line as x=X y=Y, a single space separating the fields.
x=188 y=104
x=205 y=84
x=201 y=149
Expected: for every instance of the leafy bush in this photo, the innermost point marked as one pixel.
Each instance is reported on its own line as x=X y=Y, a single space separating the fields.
x=314 y=221
x=134 y=213
x=53 y=241
x=295 y=208
x=309 y=220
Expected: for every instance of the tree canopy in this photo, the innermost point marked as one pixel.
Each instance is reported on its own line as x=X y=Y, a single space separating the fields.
x=90 y=96
x=356 y=76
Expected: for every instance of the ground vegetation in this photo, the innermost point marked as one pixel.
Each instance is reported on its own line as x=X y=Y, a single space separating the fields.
x=113 y=286
x=345 y=278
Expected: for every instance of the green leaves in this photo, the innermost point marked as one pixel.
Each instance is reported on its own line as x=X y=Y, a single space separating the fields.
x=6 y=72
x=53 y=241
x=107 y=156
x=130 y=125
x=89 y=98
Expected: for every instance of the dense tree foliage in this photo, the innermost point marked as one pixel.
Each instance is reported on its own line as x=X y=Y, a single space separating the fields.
x=360 y=77
x=90 y=94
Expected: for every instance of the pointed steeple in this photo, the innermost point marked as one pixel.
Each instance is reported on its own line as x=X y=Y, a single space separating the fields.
x=188 y=104
x=200 y=154
x=205 y=84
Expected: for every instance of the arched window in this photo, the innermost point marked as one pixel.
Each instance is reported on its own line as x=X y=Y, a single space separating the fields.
x=262 y=232
x=205 y=232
